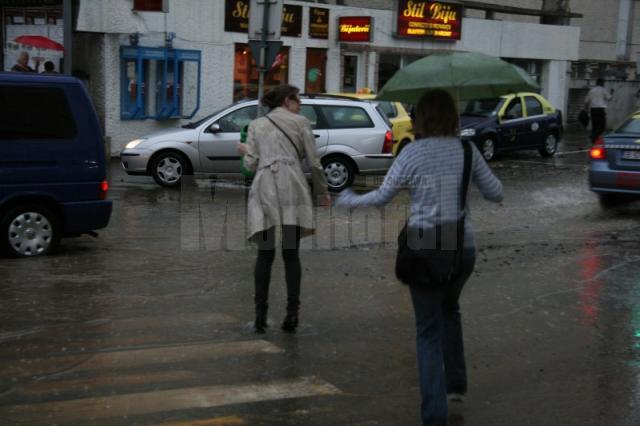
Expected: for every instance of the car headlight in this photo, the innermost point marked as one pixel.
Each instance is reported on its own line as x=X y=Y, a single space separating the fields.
x=467 y=132
x=134 y=143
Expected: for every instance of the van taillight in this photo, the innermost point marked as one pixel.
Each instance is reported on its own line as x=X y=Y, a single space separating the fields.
x=387 y=148
x=597 y=150
x=104 y=188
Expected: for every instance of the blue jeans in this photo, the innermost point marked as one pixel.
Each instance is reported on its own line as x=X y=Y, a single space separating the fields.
x=441 y=364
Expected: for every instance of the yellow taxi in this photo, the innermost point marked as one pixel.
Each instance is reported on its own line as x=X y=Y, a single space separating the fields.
x=518 y=121
x=397 y=114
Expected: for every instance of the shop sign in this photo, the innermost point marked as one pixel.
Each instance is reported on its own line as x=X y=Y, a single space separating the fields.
x=432 y=19
x=237 y=18
x=151 y=5
x=318 y=22
x=355 y=28
x=291 y=21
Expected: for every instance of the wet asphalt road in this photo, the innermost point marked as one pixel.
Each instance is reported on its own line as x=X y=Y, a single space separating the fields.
x=151 y=322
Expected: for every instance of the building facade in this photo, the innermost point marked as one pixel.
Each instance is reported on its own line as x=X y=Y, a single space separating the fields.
x=609 y=42
x=148 y=70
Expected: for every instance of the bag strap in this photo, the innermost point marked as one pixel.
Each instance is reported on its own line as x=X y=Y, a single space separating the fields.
x=284 y=133
x=466 y=177
x=466 y=173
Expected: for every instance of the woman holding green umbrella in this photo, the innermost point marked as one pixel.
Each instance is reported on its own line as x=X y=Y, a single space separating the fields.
x=432 y=168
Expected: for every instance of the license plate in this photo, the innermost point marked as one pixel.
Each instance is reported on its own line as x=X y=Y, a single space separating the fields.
x=631 y=155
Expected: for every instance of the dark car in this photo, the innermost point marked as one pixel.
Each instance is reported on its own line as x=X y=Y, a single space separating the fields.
x=512 y=122
x=52 y=163
x=614 y=170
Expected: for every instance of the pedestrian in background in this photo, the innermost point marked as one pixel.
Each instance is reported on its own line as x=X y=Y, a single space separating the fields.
x=49 y=68
x=431 y=168
x=279 y=196
x=596 y=103
x=22 y=64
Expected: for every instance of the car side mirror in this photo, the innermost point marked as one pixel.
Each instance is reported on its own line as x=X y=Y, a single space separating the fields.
x=215 y=128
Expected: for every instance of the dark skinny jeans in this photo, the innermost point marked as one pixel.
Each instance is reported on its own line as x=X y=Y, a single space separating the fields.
x=293 y=270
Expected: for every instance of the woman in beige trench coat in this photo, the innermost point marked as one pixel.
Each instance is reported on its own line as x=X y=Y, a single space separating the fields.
x=280 y=196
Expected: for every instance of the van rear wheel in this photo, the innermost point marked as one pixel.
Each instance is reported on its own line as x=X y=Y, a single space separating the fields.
x=29 y=230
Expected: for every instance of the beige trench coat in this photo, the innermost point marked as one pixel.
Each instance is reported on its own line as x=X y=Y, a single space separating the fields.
x=280 y=193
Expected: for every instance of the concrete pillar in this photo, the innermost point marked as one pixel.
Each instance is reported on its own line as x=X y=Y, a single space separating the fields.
x=372 y=66
x=555 y=6
x=555 y=84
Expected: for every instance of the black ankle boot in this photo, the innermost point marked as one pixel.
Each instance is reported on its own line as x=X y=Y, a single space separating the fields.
x=290 y=322
x=261 y=322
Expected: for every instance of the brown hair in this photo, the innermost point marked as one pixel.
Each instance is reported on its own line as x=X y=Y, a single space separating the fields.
x=277 y=95
x=436 y=115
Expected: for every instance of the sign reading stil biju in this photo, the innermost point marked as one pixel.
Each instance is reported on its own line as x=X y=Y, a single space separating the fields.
x=435 y=19
x=355 y=28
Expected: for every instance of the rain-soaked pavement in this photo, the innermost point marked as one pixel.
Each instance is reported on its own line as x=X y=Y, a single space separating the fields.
x=150 y=323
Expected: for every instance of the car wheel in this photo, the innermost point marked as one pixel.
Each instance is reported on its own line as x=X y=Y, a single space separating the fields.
x=339 y=173
x=550 y=146
x=168 y=168
x=404 y=143
x=488 y=148
x=29 y=230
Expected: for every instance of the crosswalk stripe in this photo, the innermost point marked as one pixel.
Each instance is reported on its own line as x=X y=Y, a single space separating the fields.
x=167 y=400
x=97 y=382
x=214 y=421
x=137 y=357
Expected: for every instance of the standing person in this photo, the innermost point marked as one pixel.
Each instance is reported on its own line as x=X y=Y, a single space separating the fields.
x=597 y=100
x=22 y=64
x=280 y=196
x=49 y=68
x=431 y=169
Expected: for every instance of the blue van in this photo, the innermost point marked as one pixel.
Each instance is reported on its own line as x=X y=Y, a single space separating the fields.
x=53 y=180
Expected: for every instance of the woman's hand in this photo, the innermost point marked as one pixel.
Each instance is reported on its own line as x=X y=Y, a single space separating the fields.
x=324 y=200
x=242 y=148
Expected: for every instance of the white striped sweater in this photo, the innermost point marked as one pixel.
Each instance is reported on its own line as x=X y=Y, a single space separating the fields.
x=431 y=169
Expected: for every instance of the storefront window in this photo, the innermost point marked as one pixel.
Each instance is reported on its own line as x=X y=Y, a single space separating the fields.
x=387 y=66
x=34 y=35
x=349 y=74
x=246 y=74
x=533 y=67
x=315 y=71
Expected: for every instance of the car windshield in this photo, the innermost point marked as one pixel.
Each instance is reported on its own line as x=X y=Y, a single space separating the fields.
x=194 y=124
x=630 y=126
x=481 y=107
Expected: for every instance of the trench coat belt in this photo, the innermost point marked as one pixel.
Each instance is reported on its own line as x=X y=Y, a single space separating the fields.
x=272 y=163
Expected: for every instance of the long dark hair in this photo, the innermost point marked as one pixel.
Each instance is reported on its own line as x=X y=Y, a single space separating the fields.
x=436 y=115
x=277 y=95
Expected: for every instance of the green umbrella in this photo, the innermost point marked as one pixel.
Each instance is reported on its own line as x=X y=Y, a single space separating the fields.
x=466 y=75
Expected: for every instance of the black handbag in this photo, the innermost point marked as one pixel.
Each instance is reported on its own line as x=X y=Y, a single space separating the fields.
x=583 y=118
x=431 y=258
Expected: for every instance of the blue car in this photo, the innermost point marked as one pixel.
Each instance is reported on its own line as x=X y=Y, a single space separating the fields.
x=614 y=169
x=519 y=121
x=52 y=163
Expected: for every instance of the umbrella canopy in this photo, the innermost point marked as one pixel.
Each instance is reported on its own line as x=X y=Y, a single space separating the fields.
x=466 y=75
x=39 y=42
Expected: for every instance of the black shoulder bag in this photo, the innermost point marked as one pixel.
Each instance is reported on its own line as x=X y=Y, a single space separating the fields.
x=431 y=258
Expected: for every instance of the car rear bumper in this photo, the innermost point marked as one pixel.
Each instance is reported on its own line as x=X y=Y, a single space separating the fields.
x=604 y=179
x=85 y=216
